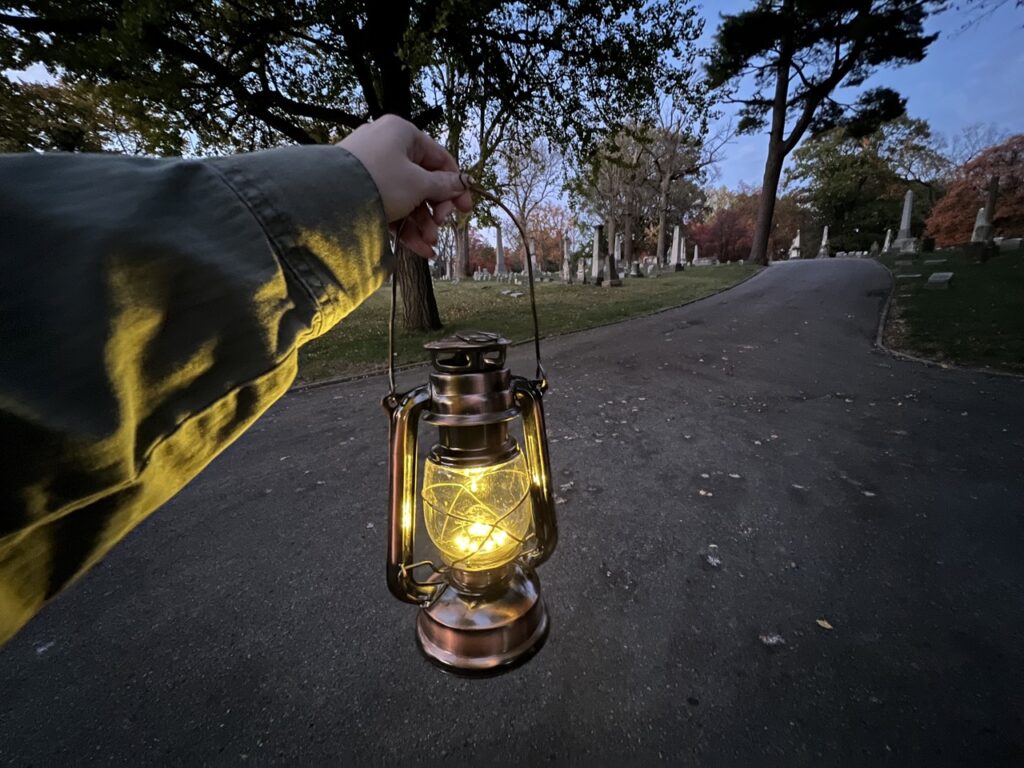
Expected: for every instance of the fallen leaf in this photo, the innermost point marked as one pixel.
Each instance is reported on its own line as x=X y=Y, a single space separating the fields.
x=823 y=623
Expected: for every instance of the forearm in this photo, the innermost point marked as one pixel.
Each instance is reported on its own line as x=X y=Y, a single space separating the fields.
x=151 y=310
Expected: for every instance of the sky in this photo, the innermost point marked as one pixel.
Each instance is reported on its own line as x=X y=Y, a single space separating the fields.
x=973 y=75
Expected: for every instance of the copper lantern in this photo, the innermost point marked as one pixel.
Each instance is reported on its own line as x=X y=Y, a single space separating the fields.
x=487 y=506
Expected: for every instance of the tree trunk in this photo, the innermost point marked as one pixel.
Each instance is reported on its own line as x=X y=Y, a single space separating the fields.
x=394 y=94
x=662 y=215
x=773 y=163
x=461 y=269
x=417 y=290
x=611 y=270
x=766 y=205
x=627 y=243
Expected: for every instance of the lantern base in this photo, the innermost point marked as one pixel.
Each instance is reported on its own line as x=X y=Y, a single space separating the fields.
x=480 y=634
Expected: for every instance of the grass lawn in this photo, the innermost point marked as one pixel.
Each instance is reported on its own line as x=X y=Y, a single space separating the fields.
x=978 y=321
x=358 y=344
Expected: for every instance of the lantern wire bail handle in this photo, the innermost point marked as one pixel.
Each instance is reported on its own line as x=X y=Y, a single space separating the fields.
x=542 y=379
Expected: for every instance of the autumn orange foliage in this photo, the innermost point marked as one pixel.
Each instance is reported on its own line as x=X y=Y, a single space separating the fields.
x=727 y=232
x=952 y=218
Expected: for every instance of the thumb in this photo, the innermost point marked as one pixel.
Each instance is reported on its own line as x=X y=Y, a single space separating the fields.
x=447 y=185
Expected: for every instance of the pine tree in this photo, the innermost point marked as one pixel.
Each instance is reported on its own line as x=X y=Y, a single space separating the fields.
x=797 y=53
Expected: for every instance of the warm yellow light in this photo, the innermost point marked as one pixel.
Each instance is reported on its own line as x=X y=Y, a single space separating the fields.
x=477 y=518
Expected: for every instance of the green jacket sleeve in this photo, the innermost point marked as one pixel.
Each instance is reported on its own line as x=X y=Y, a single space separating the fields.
x=150 y=311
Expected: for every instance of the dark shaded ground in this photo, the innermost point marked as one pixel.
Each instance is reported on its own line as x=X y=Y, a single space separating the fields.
x=976 y=321
x=249 y=620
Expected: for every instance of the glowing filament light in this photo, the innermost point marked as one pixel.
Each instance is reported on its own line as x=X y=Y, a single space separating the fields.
x=479 y=517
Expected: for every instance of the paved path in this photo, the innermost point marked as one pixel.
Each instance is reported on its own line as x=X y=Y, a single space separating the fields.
x=249 y=621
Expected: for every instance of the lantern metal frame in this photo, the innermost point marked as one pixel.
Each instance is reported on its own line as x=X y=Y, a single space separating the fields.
x=471 y=621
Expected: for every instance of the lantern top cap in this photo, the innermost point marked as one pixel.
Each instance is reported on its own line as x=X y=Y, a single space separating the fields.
x=466 y=340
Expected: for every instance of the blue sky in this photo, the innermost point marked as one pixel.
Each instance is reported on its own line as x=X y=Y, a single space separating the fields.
x=969 y=76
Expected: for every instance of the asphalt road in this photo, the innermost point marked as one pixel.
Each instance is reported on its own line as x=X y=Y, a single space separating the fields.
x=248 y=621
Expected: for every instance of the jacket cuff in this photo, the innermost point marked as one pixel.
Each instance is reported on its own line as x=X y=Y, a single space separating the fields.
x=322 y=213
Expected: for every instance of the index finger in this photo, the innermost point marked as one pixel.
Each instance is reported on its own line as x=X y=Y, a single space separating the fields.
x=430 y=155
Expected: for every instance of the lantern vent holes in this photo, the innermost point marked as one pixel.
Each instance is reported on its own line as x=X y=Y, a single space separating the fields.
x=457 y=361
x=469 y=352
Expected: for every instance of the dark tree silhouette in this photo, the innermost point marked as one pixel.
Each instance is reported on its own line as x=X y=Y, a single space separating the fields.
x=798 y=52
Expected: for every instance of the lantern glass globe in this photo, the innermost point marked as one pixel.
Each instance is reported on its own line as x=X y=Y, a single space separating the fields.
x=477 y=517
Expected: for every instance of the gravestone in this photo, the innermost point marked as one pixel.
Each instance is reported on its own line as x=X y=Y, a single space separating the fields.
x=794 y=247
x=905 y=241
x=874 y=249
x=596 y=273
x=981 y=229
x=823 y=249
x=888 y=241
x=678 y=250
x=499 y=251
x=939 y=281
x=983 y=221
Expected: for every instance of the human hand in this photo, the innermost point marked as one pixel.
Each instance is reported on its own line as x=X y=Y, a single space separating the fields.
x=418 y=181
